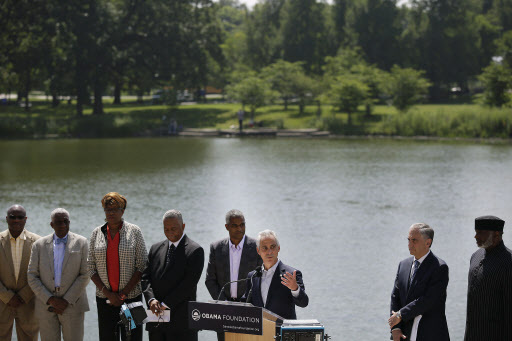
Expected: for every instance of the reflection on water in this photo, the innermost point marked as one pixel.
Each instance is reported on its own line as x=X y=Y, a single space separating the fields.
x=341 y=208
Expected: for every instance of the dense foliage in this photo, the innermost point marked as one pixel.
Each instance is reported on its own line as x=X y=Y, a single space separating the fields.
x=297 y=48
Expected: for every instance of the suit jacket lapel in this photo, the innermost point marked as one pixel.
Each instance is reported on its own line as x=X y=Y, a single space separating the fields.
x=25 y=258
x=406 y=274
x=49 y=247
x=256 y=291
x=243 y=270
x=6 y=246
x=225 y=264
x=162 y=256
x=67 y=248
x=274 y=285
x=422 y=269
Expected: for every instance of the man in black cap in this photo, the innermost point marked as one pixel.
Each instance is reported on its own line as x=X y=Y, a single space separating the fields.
x=489 y=311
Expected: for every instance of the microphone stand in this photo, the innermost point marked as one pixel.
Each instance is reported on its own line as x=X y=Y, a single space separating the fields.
x=224 y=286
x=257 y=271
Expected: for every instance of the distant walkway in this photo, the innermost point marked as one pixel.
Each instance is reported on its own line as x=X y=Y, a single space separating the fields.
x=255 y=132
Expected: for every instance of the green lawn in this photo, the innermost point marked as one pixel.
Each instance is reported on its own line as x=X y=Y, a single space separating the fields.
x=131 y=118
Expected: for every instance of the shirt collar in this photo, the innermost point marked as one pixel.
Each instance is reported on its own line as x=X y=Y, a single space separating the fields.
x=65 y=237
x=423 y=258
x=21 y=236
x=178 y=242
x=271 y=270
x=240 y=245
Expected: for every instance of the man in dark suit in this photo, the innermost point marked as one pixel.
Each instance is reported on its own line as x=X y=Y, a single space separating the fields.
x=280 y=287
x=489 y=310
x=230 y=260
x=170 y=280
x=419 y=295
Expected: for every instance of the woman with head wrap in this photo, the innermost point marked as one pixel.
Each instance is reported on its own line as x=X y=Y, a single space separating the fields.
x=117 y=259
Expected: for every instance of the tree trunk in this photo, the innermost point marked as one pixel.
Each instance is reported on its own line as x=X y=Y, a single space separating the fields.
x=349 y=118
x=27 y=90
x=368 y=109
x=19 y=96
x=318 y=109
x=55 y=100
x=117 y=93
x=140 y=98
x=98 y=99
x=286 y=103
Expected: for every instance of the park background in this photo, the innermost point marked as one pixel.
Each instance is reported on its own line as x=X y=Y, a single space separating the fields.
x=83 y=81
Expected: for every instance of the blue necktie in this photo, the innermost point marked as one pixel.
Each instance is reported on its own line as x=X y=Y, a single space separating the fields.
x=414 y=271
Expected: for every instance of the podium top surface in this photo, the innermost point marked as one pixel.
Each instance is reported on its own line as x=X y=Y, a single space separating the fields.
x=267 y=314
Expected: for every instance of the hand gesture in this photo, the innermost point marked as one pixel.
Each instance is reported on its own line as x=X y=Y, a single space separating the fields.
x=290 y=281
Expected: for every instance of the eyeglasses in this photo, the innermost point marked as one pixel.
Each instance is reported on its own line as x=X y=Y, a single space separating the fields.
x=112 y=210
x=19 y=217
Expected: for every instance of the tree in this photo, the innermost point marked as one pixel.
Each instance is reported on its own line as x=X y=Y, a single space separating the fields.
x=497 y=80
x=302 y=32
x=378 y=30
x=282 y=75
x=251 y=91
x=406 y=86
x=347 y=93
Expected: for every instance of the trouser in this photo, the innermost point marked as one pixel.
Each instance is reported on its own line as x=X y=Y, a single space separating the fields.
x=51 y=325
x=108 y=318
x=27 y=327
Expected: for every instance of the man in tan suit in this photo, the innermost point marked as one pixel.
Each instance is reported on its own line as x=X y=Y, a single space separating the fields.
x=16 y=297
x=57 y=273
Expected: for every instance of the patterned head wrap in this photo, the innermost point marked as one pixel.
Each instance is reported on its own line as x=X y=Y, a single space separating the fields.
x=114 y=199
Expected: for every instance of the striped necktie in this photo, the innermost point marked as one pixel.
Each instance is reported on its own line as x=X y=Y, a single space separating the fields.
x=414 y=271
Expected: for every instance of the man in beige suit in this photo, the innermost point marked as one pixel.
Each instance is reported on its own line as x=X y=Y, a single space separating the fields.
x=57 y=273
x=16 y=297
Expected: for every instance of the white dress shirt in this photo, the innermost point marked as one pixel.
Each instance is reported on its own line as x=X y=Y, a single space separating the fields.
x=17 y=251
x=266 y=280
x=235 y=255
x=417 y=319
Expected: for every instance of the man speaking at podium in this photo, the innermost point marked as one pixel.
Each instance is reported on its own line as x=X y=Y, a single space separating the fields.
x=280 y=287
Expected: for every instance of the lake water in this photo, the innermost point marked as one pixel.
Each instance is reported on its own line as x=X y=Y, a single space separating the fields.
x=341 y=208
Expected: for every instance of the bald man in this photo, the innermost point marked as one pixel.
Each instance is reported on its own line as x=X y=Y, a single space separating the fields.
x=16 y=296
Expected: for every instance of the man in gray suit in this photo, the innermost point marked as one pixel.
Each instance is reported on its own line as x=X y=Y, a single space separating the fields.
x=231 y=259
x=16 y=297
x=57 y=273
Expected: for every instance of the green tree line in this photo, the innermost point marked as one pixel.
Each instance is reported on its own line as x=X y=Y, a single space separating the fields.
x=302 y=48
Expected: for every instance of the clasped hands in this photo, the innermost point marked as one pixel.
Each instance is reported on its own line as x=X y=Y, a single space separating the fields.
x=156 y=307
x=290 y=281
x=393 y=320
x=58 y=304
x=15 y=301
x=116 y=298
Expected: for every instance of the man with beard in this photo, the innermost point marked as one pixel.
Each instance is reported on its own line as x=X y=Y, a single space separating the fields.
x=489 y=310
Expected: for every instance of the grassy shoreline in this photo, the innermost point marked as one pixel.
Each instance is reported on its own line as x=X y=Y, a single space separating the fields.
x=454 y=121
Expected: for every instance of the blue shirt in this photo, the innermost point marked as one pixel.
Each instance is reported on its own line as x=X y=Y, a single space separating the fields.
x=58 y=257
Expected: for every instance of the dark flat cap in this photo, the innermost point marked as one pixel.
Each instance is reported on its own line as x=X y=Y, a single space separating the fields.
x=489 y=222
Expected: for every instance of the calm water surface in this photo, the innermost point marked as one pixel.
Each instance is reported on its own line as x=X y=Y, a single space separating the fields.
x=341 y=208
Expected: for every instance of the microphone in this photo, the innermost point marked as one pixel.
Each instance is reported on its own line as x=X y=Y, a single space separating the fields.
x=257 y=273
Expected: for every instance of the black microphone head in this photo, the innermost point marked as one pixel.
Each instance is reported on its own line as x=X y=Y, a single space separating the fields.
x=258 y=271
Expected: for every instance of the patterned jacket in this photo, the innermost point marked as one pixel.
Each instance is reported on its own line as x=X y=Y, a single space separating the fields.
x=132 y=256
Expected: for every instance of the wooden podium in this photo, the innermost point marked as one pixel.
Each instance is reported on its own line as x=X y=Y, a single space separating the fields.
x=270 y=321
x=239 y=321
